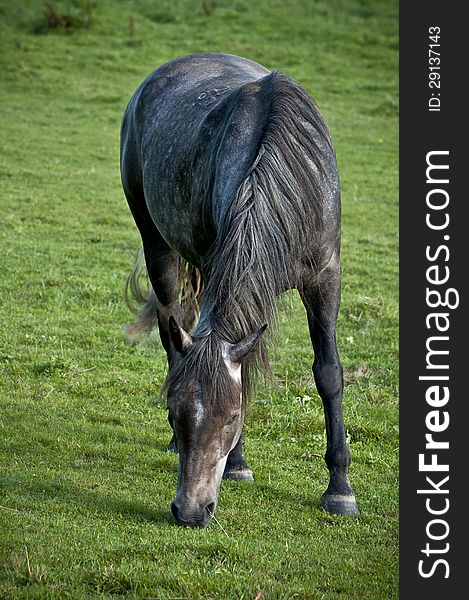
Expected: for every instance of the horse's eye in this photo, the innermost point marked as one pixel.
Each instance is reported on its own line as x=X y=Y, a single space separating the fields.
x=233 y=418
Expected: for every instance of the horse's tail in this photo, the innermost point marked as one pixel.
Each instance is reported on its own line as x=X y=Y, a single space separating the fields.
x=141 y=299
x=191 y=292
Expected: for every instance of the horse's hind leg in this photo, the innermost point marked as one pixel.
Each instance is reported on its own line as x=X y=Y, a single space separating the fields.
x=321 y=297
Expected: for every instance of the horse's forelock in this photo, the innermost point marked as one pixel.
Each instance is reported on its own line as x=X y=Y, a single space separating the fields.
x=204 y=365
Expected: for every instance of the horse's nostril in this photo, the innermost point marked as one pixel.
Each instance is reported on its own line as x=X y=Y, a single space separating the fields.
x=192 y=515
x=210 y=508
x=174 y=510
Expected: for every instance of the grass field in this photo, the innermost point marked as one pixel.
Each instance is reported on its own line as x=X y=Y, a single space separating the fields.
x=86 y=481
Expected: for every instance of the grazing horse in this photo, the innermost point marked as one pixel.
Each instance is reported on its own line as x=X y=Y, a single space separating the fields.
x=230 y=174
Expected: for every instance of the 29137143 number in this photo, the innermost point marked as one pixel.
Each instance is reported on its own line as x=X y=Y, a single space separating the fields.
x=434 y=76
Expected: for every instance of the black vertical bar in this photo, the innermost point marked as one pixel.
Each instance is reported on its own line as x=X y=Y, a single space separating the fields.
x=432 y=120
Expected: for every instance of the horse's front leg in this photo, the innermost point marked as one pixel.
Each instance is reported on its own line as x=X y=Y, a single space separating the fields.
x=163 y=271
x=321 y=297
x=236 y=465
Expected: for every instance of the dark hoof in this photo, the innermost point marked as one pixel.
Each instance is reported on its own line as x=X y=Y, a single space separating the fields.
x=339 y=504
x=240 y=474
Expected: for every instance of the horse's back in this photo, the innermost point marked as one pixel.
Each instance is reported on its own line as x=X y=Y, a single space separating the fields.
x=170 y=137
x=191 y=135
x=178 y=95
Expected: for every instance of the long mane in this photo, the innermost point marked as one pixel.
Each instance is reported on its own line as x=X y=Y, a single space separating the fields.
x=260 y=244
x=279 y=205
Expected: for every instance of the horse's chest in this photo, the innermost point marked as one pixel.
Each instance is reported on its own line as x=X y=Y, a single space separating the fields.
x=182 y=230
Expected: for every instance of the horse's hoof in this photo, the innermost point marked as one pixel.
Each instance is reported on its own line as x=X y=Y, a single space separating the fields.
x=340 y=504
x=240 y=474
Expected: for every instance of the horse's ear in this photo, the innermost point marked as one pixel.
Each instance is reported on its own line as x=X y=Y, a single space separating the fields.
x=236 y=352
x=180 y=339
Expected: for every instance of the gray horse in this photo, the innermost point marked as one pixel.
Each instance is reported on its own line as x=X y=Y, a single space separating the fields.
x=231 y=177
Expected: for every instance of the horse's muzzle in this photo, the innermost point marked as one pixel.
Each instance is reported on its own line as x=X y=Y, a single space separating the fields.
x=193 y=515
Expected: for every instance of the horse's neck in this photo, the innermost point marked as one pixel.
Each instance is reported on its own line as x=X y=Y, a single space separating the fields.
x=232 y=308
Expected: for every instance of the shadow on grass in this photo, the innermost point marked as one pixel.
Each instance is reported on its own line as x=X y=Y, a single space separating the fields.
x=92 y=500
x=99 y=502
x=131 y=440
x=278 y=497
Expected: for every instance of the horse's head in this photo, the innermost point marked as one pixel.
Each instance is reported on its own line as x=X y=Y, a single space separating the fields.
x=206 y=411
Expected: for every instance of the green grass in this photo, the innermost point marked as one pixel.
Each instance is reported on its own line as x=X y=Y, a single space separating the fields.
x=86 y=480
